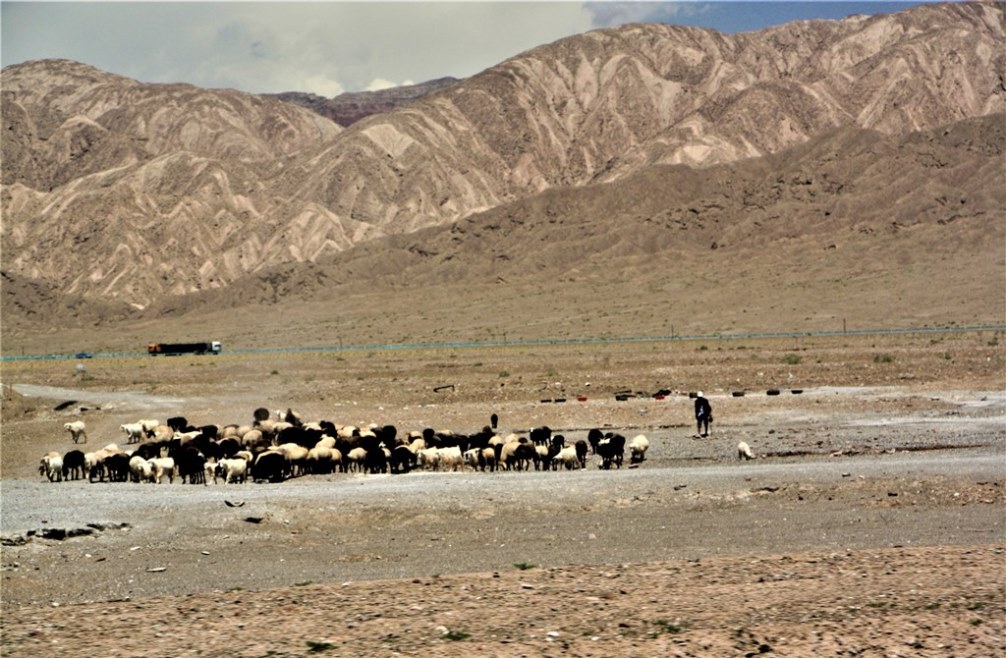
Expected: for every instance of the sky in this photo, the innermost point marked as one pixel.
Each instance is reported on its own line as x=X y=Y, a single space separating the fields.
x=330 y=47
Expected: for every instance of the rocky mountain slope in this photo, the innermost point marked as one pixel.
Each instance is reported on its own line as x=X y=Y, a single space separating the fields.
x=350 y=107
x=138 y=194
x=882 y=231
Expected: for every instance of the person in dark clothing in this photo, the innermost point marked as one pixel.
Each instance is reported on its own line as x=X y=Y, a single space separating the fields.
x=703 y=414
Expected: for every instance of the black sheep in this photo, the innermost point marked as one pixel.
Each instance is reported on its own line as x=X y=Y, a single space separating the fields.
x=117 y=467
x=593 y=437
x=73 y=463
x=269 y=466
x=228 y=447
x=540 y=435
x=376 y=460
x=612 y=450
x=177 y=423
x=190 y=465
x=402 y=459
x=149 y=450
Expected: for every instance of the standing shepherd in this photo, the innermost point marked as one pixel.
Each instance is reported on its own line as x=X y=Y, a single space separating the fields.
x=703 y=414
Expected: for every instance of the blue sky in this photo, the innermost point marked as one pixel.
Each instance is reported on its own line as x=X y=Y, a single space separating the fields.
x=330 y=47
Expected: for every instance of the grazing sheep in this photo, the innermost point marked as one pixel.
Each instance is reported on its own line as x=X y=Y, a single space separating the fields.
x=429 y=458
x=231 y=470
x=611 y=449
x=269 y=465
x=163 y=466
x=516 y=455
x=471 y=458
x=487 y=457
x=319 y=460
x=252 y=438
x=540 y=435
x=543 y=455
x=296 y=458
x=744 y=451
x=356 y=458
x=149 y=427
x=210 y=471
x=73 y=464
x=134 y=432
x=94 y=462
x=450 y=457
x=581 y=452
x=77 y=431
x=117 y=467
x=190 y=465
x=229 y=432
x=637 y=448
x=140 y=469
x=162 y=432
x=51 y=466
x=289 y=416
x=568 y=458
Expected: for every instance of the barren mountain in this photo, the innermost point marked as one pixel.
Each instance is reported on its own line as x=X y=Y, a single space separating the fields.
x=350 y=107
x=851 y=225
x=119 y=190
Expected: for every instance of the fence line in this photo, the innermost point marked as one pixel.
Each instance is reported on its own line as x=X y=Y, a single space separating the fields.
x=553 y=341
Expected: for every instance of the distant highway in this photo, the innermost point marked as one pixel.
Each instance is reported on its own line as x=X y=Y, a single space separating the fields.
x=546 y=341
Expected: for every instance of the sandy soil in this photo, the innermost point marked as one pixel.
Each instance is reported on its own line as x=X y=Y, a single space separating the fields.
x=871 y=523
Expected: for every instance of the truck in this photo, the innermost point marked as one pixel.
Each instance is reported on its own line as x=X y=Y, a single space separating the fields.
x=174 y=349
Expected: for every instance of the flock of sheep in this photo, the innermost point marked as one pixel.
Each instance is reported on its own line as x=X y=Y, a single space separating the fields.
x=276 y=448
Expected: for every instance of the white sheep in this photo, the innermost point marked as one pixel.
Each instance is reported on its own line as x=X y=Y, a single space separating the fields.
x=356 y=458
x=637 y=448
x=428 y=458
x=185 y=437
x=568 y=458
x=134 y=432
x=319 y=459
x=150 y=426
x=94 y=462
x=210 y=471
x=51 y=466
x=140 y=469
x=232 y=470
x=296 y=457
x=163 y=466
x=77 y=431
x=488 y=455
x=472 y=458
x=450 y=457
x=744 y=451
x=251 y=438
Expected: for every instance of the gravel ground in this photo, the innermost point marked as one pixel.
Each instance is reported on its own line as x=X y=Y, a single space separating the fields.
x=871 y=524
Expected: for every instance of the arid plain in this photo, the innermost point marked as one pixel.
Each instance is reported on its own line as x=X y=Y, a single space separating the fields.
x=871 y=522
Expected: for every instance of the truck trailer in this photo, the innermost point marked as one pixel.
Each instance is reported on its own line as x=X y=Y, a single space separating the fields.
x=174 y=349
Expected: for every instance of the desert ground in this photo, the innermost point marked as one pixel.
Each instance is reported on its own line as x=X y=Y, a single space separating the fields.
x=870 y=523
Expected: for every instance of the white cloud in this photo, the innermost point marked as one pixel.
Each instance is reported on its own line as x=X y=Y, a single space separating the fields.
x=320 y=47
x=378 y=84
x=330 y=47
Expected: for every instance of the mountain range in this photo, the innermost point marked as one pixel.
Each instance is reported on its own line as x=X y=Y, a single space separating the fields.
x=787 y=177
